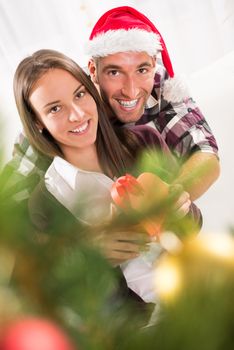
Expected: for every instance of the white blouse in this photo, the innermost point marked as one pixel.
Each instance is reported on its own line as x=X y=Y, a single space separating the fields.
x=87 y=196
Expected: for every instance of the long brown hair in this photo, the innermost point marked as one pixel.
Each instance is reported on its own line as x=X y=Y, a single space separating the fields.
x=115 y=156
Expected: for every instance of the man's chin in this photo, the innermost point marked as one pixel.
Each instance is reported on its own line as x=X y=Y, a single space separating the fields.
x=128 y=117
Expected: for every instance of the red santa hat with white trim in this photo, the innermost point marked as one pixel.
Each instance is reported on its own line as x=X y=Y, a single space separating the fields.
x=124 y=29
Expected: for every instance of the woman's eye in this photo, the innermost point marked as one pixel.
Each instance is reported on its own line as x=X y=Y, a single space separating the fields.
x=80 y=94
x=55 y=109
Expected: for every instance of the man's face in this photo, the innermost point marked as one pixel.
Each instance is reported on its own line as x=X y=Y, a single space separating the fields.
x=125 y=81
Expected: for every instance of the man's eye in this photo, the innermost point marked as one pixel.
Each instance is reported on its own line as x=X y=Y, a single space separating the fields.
x=113 y=72
x=142 y=70
x=55 y=109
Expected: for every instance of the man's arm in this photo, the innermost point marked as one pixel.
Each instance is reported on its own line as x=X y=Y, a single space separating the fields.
x=189 y=137
x=198 y=173
x=21 y=174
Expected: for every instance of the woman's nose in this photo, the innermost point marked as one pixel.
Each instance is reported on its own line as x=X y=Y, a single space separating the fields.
x=76 y=114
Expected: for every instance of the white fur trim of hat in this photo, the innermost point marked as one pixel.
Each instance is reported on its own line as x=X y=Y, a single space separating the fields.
x=122 y=40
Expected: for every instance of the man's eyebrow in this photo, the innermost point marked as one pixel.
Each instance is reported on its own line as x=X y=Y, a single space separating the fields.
x=111 y=66
x=143 y=64
x=115 y=66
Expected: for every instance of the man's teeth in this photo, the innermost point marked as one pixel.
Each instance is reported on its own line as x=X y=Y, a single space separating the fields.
x=128 y=104
x=81 y=128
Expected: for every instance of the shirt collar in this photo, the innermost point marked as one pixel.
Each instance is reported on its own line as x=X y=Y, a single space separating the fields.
x=151 y=102
x=66 y=170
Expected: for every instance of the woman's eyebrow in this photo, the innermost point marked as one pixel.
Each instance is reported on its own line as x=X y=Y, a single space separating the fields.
x=78 y=88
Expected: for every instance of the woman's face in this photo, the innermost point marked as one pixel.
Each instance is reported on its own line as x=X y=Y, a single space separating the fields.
x=65 y=109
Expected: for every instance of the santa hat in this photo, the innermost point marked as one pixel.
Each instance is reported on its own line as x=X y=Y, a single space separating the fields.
x=124 y=29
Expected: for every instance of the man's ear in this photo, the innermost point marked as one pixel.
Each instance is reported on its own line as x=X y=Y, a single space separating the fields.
x=93 y=71
x=154 y=61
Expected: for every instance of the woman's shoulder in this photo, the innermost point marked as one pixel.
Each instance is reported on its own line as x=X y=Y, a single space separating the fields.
x=46 y=212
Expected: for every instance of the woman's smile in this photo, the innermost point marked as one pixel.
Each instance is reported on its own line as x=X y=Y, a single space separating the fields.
x=81 y=129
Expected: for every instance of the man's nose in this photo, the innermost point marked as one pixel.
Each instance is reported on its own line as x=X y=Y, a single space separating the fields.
x=76 y=114
x=130 y=89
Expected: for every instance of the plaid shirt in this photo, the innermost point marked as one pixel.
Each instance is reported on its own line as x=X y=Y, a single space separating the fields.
x=182 y=125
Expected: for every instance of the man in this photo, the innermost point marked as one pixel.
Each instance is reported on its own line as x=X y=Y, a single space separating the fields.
x=124 y=46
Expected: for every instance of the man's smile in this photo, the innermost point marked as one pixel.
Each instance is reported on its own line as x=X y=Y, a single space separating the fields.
x=128 y=103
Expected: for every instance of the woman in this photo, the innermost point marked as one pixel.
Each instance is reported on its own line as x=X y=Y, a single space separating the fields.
x=64 y=119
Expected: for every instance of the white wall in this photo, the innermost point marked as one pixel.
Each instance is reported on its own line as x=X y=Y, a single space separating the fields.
x=214 y=88
x=199 y=36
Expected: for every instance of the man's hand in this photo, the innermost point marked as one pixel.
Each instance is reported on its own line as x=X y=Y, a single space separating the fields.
x=118 y=247
x=182 y=200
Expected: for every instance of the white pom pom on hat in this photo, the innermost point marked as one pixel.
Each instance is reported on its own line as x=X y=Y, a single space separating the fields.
x=123 y=29
x=175 y=90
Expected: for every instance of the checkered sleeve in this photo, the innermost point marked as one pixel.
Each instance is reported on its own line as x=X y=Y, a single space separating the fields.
x=21 y=174
x=185 y=129
x=181 y=124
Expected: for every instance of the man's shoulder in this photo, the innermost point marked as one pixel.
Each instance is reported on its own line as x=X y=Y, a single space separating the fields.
x=144 y=130
x=147 y=135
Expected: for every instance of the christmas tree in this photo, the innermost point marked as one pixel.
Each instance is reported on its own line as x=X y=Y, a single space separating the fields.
x=58 y=292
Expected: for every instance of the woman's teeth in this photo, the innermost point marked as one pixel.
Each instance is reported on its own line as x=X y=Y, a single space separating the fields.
x=81 y=128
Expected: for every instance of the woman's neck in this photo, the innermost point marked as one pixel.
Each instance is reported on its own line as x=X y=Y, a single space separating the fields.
x=85 y=159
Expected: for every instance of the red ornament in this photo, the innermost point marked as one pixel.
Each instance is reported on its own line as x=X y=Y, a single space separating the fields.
x=140 y=194
x=34 y=334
